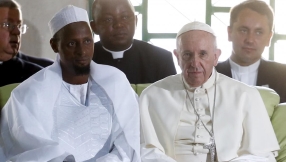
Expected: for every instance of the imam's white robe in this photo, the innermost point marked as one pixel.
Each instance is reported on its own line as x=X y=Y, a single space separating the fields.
x=241 y=124
x=27 y=118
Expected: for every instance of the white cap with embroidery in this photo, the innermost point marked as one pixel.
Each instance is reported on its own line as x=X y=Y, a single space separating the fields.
x=67 y=15
x=196 y=26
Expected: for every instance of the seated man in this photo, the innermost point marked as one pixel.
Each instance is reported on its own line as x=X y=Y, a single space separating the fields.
x=115 y=22
x=250 y=31
x=75 y=109
x=12 y=69
x=43 y=62
x=201 y=115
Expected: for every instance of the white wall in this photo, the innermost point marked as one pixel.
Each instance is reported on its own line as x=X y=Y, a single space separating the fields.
x=37 y=14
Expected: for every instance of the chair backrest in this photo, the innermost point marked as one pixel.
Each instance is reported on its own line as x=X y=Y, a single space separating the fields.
x=5 y=92
x=278 y=121
x=270 y=98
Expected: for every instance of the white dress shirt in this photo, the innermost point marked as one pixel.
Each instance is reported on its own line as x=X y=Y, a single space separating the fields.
x=245 y=74
x=78 y=91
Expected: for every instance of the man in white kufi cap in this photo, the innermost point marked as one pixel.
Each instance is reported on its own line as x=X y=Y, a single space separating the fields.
x=75 y=109
x=201 y=115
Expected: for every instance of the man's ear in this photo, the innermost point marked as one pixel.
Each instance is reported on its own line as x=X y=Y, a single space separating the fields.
x=229 y=31
x=217 y=54
x=177 y=55
x=136 y=20
x=93 y=27
x=269 y=38
x=53 y=43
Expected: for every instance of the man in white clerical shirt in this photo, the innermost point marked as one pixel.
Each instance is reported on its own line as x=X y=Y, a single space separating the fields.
x=201 y=115
x=75 y=109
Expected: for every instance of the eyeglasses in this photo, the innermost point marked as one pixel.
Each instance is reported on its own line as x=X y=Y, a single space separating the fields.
x=10 y=27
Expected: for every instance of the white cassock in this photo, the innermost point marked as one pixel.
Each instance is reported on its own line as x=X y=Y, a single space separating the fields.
x=44 y=121
x=170 y=131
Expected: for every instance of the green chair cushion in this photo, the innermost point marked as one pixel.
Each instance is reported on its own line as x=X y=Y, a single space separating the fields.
x=5 y=92
x=141 y=87
x=134 y=87
x=278 y=121
x=270 y=98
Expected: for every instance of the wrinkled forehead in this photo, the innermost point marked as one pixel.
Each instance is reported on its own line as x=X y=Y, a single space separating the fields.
x=195 y=36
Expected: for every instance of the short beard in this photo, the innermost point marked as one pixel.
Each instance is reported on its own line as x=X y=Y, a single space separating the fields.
x=81 y=70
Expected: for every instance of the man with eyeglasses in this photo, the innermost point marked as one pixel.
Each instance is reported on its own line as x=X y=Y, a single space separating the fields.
x=23 y=28
x=12 y=69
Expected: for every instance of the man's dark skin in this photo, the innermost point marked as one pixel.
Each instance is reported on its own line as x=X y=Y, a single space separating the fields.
x=115 y=25
x=74 y=43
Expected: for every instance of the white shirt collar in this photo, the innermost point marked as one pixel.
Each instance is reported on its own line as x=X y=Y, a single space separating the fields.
x=245 y=74
x=244 y=69
x=78 y=91
x=116 y=54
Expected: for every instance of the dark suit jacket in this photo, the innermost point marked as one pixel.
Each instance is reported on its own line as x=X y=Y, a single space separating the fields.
x=36 y=60
x=142 y=63
x=270 y=73
x=16 y=70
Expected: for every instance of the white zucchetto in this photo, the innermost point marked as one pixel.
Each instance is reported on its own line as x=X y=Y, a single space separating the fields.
x=196 y=26
x=67 y=15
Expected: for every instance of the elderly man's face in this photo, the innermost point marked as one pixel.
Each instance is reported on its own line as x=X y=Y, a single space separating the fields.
x=9 y=39
x=249 y=35
x=115 y=23
x=74 y=43
x=197 y=55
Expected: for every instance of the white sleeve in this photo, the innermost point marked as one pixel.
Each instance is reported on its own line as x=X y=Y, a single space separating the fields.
x=2 y=155
x=254 y=158
x=121 y=151
x=150 y=151
x=154 y=155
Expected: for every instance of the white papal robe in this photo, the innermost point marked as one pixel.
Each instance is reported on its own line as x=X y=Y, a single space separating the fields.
x=241 y=124
x=40 y=116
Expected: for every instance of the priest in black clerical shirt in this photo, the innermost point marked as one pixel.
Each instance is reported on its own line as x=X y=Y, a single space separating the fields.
x=115 y=22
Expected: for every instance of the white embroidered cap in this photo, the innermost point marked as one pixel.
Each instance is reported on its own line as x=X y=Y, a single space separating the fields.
x=66 y=16
x=196 y=26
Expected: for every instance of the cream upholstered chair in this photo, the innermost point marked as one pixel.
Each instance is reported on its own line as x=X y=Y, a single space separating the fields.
x=277 y=114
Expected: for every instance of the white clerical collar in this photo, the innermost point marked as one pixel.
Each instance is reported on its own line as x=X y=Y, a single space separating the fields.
x=209 y=83
x=78 y=91
x=244 y=69
x=116 y=54
x=1 y=62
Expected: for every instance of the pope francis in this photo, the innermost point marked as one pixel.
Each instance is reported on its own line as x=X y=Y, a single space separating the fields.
x=201 y=115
